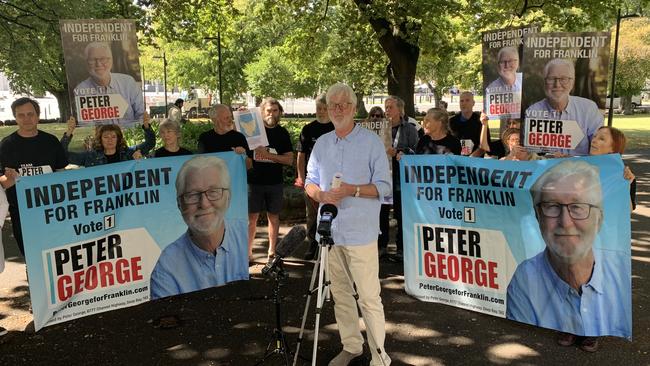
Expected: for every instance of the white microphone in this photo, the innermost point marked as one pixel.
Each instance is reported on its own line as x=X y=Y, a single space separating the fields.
x=337 y=179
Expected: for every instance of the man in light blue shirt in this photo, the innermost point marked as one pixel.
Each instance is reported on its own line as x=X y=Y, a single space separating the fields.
x=213 y=251
x=509 y=79
x=559 y=79
x=102 y=82
x=359 y=155
x=571 y=286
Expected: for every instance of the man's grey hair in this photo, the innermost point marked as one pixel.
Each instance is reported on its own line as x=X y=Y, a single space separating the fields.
x=342 y=89
x=577 y=169
x=466 y=92
x=509 y=50
x=93 y=45
x=168 y=124
x=199 y=163
x=560 y=62
x=399 y=103
x=321 y=99
x=214 y=110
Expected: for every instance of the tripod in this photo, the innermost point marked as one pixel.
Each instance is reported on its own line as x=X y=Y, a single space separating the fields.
x=278 y=344
x=322 y=294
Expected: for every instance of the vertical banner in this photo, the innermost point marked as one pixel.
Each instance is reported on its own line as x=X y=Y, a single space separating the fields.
x=502 y=80
x=383 y=129
x=545 y=243
x=117 y=235
x=250 y=123
x=565 y=78
x=103 y=70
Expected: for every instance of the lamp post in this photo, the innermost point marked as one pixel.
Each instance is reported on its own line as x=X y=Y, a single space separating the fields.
x=218 y=38
x=610 y=114
x=164 y=58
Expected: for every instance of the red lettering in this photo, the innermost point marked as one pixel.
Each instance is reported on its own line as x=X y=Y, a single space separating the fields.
x=91 y=278
x=105 y=274
x=453 y=268
x=64 y=290
x=549 y=140
x=90 y=114
x=122 y=271
x=136 y=275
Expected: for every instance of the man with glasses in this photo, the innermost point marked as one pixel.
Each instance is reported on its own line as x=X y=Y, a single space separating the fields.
x=359 y=155
x=308 y=136
x=101 y=82
x=559 y=79
x=572 y=285
x=509 y=79
x=212 y=251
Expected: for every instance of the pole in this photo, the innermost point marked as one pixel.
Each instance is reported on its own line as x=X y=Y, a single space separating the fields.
x=219 y=51
x=144 y=90
x=165 y=81
x=610 y=114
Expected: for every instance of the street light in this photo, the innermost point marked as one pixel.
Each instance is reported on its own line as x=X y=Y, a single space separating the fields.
x=218 y=38
x=164 y=58
x=610 y=114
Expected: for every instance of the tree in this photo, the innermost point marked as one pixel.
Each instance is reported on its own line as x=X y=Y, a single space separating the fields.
x=30 y=42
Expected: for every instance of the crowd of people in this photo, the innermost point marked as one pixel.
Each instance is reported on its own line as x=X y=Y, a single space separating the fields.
x=331 y=144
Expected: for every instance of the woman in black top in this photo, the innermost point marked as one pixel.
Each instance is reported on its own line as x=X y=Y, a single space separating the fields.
x=170 y=134
x=437 y=139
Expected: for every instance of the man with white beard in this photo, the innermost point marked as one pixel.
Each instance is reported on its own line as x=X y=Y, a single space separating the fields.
x=212 y=252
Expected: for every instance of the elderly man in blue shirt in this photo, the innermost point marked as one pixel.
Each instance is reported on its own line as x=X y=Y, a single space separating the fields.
x=102 y=82
x=559 y=79
x=360 y=157
x=212 y=252
x=572 y=286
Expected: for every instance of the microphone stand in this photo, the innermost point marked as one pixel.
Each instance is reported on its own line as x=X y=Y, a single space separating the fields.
x=322 y=293
x=278 y=344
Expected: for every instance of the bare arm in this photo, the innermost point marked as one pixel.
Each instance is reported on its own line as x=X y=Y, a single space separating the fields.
x=301 y=163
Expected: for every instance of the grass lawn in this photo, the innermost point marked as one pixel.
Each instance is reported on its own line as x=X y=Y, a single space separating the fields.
x=636 y=129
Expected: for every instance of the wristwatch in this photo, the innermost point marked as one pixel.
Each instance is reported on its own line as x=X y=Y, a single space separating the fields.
x=358 y=192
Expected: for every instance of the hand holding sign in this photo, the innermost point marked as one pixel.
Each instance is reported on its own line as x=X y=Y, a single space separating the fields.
x=72 y=124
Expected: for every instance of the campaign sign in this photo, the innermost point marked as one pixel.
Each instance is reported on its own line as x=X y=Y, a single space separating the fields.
x=382 y=127
x=502 y=82
x=103 y=70
x=545 y=242
x=113 y=236
x=563 y=102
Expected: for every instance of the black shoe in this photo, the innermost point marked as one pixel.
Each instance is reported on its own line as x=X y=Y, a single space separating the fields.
x=3 y=331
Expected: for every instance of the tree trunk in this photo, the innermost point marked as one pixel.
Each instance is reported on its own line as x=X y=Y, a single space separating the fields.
x=626 y=105
x=437 y=97
x=401 y=73
x=65 y=109
x=362 y=112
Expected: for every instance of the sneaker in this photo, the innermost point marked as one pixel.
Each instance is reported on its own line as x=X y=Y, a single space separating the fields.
x=344 y=358
x=566 y=339
x=3 y=331
x=589 y=344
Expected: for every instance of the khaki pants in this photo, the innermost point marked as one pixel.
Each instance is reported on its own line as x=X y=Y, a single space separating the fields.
x=363 y=264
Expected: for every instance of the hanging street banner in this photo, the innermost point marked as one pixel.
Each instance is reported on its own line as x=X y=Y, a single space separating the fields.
x=103 y=70
x=544 y=242
x=563 y=101
x=117 y=235
x=502 y=80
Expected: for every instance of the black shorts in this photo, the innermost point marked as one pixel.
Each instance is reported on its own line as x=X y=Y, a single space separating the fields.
x=265 y=197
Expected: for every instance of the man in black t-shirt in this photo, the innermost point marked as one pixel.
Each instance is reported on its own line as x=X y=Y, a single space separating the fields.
x=223 y=136
x=265 y=178
x=466 y=126
x=28 y=151
x=308 y=136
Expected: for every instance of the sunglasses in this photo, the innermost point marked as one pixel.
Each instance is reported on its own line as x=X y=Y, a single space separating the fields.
x=376 y=116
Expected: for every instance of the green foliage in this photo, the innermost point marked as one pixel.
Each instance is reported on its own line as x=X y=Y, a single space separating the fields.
x=269 y=74
x=633 y=66
x=30 y=42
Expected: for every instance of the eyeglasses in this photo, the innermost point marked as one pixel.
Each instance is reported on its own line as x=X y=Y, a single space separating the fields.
x=506 y=62
x=338 y=106
x=212 y=194
x=101 y=60
x=564 y=81
x=376 y=116
x=577 y=211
